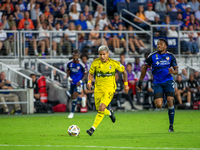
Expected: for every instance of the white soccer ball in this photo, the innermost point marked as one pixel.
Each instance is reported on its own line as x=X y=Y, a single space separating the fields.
x=73 y=130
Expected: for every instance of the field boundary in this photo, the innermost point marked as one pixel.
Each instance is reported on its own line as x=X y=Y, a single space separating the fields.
x=90 y=146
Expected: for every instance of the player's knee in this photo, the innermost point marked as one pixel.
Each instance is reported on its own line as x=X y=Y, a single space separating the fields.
x=158 y=105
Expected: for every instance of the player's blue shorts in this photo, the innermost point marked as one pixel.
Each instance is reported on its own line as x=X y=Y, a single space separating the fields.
x=166 y=88
x=74 y=88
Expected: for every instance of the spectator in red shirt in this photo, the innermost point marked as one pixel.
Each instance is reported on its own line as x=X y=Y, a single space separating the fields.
x=7 y=3
x=26 y=18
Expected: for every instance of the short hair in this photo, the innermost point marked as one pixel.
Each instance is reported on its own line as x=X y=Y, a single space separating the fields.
x=75 y=51
x=122 y=54
x=129 y=64
x=103 y=48
x=84 y=55
x=146 y=54
x=179 y=75
x=32 y=74
x=162 y=39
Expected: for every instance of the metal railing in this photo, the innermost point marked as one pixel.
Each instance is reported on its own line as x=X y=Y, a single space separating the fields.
x=104 y=6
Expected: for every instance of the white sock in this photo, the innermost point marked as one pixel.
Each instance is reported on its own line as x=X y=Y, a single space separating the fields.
x=110 y=114
x=93 y=127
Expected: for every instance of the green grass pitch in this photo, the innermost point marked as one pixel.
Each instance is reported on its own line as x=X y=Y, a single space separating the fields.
x=132 y=130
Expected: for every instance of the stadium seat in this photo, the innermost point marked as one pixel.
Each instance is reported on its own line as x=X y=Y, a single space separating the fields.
x=133 y=7
x=162 y=14
x=121 y=6
x=172 y=15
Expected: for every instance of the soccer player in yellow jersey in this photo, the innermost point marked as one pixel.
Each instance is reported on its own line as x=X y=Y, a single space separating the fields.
x=104 y=69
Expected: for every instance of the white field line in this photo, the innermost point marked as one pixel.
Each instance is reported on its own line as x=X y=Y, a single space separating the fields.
x=88 y=146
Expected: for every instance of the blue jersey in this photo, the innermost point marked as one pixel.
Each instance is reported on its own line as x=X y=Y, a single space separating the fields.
x=77 y=71
x=160 y=66
x=28 y=35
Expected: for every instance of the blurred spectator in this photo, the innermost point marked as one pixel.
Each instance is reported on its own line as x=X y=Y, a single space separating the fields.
x=86 y=12
x=8 y=10
x=56 y=76
x=149 y=88
x=59 y=16
x=150 y=14
x=12 y=38
x=171 y=32
x=81 y=37
x=73 y=14
x=146 y=77
x=18 y=14
x=193 y=86
x=179 y=21
x=122 y=41
x=65 y=22
x=46 y=12
x=187 y=13
x=98 y=12
x=119 y=1
x=161 y=6
x=94 y=39
x=167 y=21
x=49 y=4
x=81 y=22
x=78 y=6
x=116 y=21
x=29 y=39
x=184 y=39
x=7 y=96
x=103 y=21
x=193 y=40
x=29 y=7
x=35 y=10
x=57 y=40
x=140 y=14
x=194 y=5
x=4 y=41
x=114 y=41
x=51 y=20
x=137 y=65
x=122 y=60
x=171 y=6
x=22 y=6
x=35 y=87
x=197 y=14
x=184 y=74
x=41 y=19
x=43 y=36
x=192 y=22
x=8 y=2
x=197 y=76
x=156 y=22
x=26 y=18
x=57 y=5
x=180 y=91
x=182 y=6
x=84 y=59
x=136 y=41
x=10 y=21
x=90 y=22
x=70 y=36
x=4 y=21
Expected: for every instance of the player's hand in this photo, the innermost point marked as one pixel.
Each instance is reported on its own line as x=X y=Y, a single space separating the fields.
x=139 y=86
x=171 y=71
x=79 y=83
x=70 y=80
x=89 y=85
x=126 y=89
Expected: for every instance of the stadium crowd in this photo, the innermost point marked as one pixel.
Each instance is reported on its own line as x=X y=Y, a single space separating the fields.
x=72 y=15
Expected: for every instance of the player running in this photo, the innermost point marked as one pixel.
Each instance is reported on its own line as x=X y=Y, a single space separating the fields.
x=161 y=62
x=104 y=69
x=76 y=73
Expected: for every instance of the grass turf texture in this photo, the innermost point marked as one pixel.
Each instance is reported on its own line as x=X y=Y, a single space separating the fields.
x=132 y=129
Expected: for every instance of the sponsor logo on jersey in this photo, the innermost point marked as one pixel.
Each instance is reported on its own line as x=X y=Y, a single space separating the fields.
x=110 y=67
x=156 y=56
x=167 y=58
x=78 y=67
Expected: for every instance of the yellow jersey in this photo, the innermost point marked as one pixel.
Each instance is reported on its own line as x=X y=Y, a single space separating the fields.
x=105 y=74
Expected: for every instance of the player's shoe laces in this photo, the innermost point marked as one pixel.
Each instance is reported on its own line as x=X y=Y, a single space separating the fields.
x=71 y=115
x=112 y=117
x=90 y=131
x=171 y=129
x=83 y=102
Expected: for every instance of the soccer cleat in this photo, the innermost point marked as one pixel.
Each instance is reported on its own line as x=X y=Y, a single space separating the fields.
x=19 y=112
x=71 y=115
x=90 y=131
x=112 y=117
x=171 y=129
x=8 y=113
x=83 y=102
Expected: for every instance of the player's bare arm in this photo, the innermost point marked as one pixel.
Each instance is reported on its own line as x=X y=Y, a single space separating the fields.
x=126 y=87
x=143 y=73
x=68 y=76
x=173 y=71
x=90 y=78
x=84 y=77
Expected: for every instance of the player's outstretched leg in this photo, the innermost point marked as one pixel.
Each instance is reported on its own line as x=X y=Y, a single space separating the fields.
x=171 y=113
x=111 y=115
x=74 y=102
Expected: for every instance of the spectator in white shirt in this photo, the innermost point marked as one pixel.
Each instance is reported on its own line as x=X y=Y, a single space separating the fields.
x=4 y=41
x=103 y=21
x=172 y=32
x=70 y=35
x=78 y=6
x=193 y=39
x=90 y=22
x=98 y=12
x=29 y=4
x=194 y=5
x=197 y=14
x=57 y=40
x=73 y=14
x=150 y=14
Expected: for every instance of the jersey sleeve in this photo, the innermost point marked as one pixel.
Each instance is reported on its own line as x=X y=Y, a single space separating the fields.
x=173 y=62
x=119 y=66
x=92 y=68
x=148 y=61
x=83 y=68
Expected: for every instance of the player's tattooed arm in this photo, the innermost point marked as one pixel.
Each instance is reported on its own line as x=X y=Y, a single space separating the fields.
x=126 y=87
x=90 y=78
x=143 y=72
x=125 y=76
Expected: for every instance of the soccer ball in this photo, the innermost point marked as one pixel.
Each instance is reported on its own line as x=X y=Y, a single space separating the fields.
x=73 y=130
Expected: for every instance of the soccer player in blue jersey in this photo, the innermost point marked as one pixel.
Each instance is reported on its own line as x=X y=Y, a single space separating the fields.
x=163 y=84
x=76 y=73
